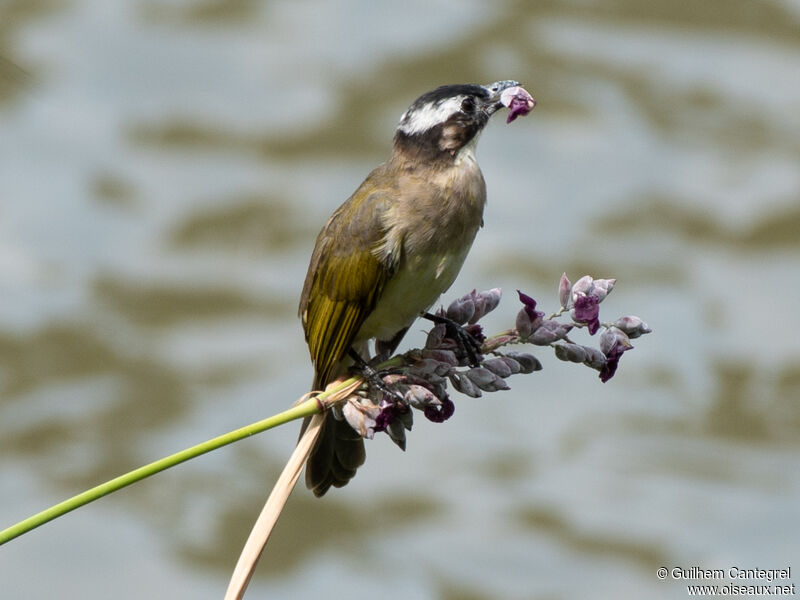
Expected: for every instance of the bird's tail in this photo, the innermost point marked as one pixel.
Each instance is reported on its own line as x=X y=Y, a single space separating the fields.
x=336 y=456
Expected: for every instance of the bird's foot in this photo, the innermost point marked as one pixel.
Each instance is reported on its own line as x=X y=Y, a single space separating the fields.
x=467 y=343
x=373 y=377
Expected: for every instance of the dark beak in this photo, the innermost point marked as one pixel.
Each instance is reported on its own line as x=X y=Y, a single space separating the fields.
x=495 y=89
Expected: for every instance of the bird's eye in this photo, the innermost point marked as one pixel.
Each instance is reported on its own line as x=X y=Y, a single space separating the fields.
x=468 y=105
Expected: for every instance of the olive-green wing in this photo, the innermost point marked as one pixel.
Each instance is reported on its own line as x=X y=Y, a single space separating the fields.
x=344 y=280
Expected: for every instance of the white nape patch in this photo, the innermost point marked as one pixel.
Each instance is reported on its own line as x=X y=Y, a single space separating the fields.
x=422 y=118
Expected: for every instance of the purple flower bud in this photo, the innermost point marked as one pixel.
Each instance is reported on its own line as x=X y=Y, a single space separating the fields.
x=613 y=342
x=420 y=397
x=564 y=288
x=609 y=369
x=594 y=358
x=394 y=379
x=586 y=309
x=428 y=366
x=463 y=384
x=528 y=363
x=530 y=306
x=439 y=414
x=587 y=286
x=480 y=307
x=442 y=356
x=436 y=336
x=439 y=389
x=481 y=377
x=602 y=288
x=394 y=418
x=354 y=418
x=570 y=352
x=497 y=366
x=512 y=364
x=500 y=385
x=582 y=286
x=550 y=331
x=486 y=380
x=385 y=415
x=360 y=417
x=524 y=325
x=633 y=326
x=491 y=298
x=461 y=309
x=397 y=433
x=404 y=415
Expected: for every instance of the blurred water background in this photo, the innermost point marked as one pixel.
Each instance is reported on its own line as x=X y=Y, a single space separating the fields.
x=164 y=169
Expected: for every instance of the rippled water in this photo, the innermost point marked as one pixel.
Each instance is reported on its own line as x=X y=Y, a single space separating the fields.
x=164 y=168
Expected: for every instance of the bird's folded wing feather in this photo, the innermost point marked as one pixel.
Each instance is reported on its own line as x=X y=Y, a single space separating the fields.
x=345 y=279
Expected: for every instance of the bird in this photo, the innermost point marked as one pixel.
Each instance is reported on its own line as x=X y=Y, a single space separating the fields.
x=394 y=246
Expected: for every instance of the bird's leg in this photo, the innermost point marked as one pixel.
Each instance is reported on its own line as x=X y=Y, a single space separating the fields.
x=385 y=348
x=371 y=375
x=466 y=342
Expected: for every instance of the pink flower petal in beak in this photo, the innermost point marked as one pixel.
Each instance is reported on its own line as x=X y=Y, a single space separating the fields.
x=518 y=101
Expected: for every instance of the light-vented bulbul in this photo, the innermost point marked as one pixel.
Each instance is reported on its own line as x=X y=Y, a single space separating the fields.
x=388 y=253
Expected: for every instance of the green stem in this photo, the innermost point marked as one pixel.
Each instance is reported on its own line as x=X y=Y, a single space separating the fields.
x=305 y=409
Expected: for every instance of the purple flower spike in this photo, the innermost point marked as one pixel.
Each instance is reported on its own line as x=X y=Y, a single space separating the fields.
x=586 y=309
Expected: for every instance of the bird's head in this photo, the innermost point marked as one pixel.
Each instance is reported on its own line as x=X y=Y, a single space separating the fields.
x=442 y=122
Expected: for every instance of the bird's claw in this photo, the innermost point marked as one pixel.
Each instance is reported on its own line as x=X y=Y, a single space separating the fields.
x=373 y=377
x=467 y=344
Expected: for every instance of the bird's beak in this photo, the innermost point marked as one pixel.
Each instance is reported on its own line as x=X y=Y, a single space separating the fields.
x=510 y=94
x=496 y=89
